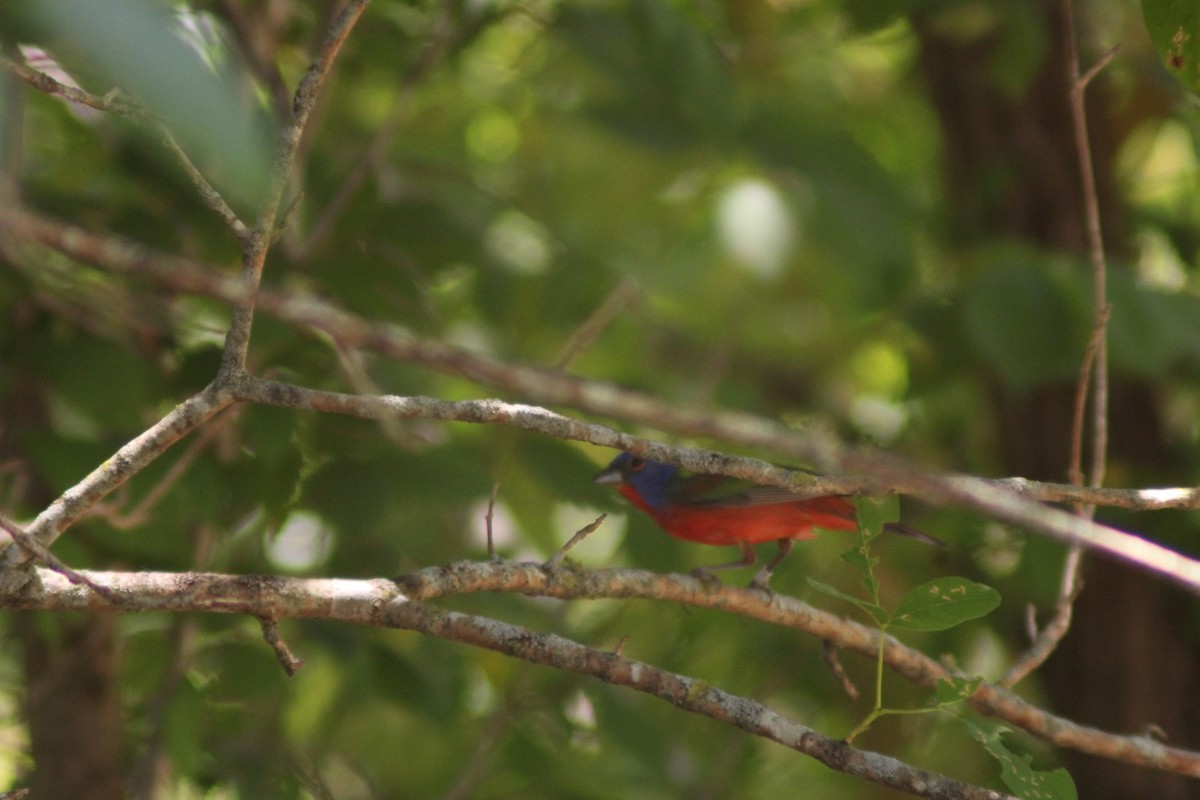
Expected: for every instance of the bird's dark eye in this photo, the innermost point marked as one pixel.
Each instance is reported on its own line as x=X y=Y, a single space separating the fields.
x=637 y=464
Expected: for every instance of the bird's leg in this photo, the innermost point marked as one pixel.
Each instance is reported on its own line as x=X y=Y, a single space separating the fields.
x=764 y=574
x=748 y=558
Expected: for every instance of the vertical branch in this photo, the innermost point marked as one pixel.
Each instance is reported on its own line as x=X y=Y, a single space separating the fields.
x=1093 y=373
x=258 y=242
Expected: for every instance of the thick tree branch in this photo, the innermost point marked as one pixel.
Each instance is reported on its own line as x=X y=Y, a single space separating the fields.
x=373 y=602
x=363 y=602
x=882 y=471
x=683 y=692
x=125 y=463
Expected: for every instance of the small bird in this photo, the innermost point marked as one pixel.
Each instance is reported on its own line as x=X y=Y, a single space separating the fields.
x=714 y=509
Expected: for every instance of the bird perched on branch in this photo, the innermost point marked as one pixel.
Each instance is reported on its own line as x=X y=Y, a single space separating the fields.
x=714 y=509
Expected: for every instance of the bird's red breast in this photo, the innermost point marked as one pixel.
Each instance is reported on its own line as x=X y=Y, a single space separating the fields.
x=725 y=525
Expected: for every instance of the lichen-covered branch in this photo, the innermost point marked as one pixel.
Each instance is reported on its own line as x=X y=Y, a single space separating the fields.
x=125 y=463
x=381 y=602
x=880 y=471
x=377 y=603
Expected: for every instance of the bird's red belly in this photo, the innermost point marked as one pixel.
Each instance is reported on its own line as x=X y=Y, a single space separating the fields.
x=754 y=524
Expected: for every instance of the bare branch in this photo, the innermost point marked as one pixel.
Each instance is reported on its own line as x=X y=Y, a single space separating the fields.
x=124 y=464
x=118 y=103
x=683 y=692
x=556 y=560
x=37 y=550
x=256 y=244
x=377 y=602
x=270 y=629
x=1093 y=373
x=242 y=595
x=487 y=521
x=881 y=472
x=115 y=103
x=618 y=299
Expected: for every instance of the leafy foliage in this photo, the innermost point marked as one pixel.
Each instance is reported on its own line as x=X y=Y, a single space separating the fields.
x=488 y=174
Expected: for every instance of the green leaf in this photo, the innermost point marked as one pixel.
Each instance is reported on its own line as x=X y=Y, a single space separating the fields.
x=1173 y=26
x=953 y=689
x=943 y=603
x=860 y=557
x=875 y=512
x=137 y=46
x=1024 y=323
x=876 y=612
x=1017 y=772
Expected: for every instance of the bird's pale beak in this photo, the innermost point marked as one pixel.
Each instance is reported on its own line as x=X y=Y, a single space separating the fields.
x=609 y=477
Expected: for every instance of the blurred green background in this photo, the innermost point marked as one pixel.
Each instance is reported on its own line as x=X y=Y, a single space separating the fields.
x=855 y=216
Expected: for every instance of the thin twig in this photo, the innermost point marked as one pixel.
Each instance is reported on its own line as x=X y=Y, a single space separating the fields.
x=579 y=536
x=208 y=193
x=1093 y=373
x=124 y=464
x=829 y=654
x=37 y=550
x=1008 y=501
x=435 y=49
x=139 y=514
x=270 y=630
x=116 y=103
x=487 y=519
x=256 y=243
x=119 y=103
x=1083 y=80
x=1095 y=240
x=624 y=293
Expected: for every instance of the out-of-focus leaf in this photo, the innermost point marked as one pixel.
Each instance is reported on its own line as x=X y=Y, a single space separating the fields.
x=1149 y=330
x=1174 y=27
x=136 y=46
x=875 y=512
x=1023 y=323
x=675 y=86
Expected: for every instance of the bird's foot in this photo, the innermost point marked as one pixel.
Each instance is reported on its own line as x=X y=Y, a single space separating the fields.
x=760 y=581
x=711 y=581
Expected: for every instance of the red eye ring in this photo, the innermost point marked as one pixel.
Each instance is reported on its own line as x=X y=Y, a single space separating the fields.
x=637 y=464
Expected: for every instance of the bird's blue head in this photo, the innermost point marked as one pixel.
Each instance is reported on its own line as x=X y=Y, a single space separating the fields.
x=649 y=479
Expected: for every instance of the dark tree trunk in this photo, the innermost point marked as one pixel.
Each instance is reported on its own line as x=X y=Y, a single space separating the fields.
x=72 y=667
x=72 y=706
x=1011 y=173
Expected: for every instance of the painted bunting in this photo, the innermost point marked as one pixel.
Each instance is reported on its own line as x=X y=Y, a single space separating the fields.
x=713 y=509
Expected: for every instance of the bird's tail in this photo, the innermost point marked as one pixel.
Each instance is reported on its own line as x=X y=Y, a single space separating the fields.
x=913 y=533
